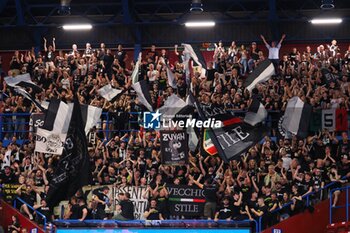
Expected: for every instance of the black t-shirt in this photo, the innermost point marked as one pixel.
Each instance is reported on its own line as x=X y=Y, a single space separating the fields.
x=75 y=212
x=262 y=209
x=80 y=211
x=8 y=179
x=210 y=193
x=102 y=197
x=154 y=215
x=120 y=56
x=29 y=198
x=127 y=208
x=46 y=211
x=210 y=74
x=225 y=212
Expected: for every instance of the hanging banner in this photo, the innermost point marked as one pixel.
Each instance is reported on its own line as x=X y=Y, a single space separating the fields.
x=138 y=196
x=186 y=200
x=174 y=147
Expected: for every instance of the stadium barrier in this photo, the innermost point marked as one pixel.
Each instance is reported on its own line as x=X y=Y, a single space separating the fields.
x=346 y=206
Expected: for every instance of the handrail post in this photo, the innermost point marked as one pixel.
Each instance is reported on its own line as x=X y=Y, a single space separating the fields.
x=330 y=207
x=260 y=224
x=307 y=200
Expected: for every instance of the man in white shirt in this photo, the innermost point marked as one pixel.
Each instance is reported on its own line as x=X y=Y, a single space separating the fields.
x=274 y=51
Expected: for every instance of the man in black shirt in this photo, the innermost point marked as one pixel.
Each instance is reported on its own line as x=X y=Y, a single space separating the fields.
x=126 y=208
x=152 y=212
x=82 y=209
x=210 y=191
x=225 y=210
x=101 y=198
x=28 y=197
x=45 y=210
x=121 y=56
x=260 y=211
x=8 y=177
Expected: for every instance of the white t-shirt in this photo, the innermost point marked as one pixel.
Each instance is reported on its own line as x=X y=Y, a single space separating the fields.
x=274 y=51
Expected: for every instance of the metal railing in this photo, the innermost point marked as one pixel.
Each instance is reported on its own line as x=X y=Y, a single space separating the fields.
x=32 y=208
x=346 y=206
x=306 y=198
x=185 y=223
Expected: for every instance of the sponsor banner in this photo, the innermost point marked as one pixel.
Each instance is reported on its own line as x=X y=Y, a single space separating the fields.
x=186 y=200
x=138 y=196
x=174 y=147
x=49 y=142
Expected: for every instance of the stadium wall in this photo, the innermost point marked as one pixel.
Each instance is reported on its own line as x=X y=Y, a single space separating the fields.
x=7 y=211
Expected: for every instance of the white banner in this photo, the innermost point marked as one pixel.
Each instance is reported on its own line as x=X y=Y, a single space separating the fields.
x=138 y=196
x=49 y=142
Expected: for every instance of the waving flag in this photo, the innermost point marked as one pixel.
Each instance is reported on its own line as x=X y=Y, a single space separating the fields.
x=297 y=117
x=73 y=169
x=261 y=73
x=256 y=113
x=171 y=77
x=109 y=93
x=142 y=90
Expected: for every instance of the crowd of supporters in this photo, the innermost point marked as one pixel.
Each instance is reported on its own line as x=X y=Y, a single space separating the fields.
x=265 y=178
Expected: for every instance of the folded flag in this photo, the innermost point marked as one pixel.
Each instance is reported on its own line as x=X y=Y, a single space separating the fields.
x=142 y=90
x=109 y=93
x=261 y=73
x=256 y=113
x=297 y=117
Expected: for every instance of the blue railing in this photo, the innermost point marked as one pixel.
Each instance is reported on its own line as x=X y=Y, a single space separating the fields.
x=346 y=206
x=32 y=208
x=306 y=198
x=186 y=223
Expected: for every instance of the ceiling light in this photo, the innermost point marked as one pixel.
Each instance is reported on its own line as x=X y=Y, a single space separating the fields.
x=77 y=27
x=327 y=21
x=200 y=24
x=327 y=4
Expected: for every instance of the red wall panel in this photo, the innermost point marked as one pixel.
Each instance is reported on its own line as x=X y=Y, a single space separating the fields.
x=315 y=222
x=7 y=211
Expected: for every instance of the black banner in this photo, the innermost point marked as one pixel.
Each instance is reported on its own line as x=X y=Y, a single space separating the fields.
x=174 y=147
x=9 y=191
x=186 y=200
x=73 y=170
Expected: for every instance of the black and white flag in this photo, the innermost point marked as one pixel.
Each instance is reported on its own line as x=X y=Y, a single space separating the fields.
x=197 y=56
x=91 y=116
x=256 y=113
x=73 y=169
x=297 y=117
x=174 y=147
x=51 y=136
x=23 y=81
x=261 y=73
x=109 y=93
x=142 y=90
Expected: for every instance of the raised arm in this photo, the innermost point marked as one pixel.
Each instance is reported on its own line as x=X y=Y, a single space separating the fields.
x=53 y=44
x=264 y=40
x=45 y=47
x=282 y=38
